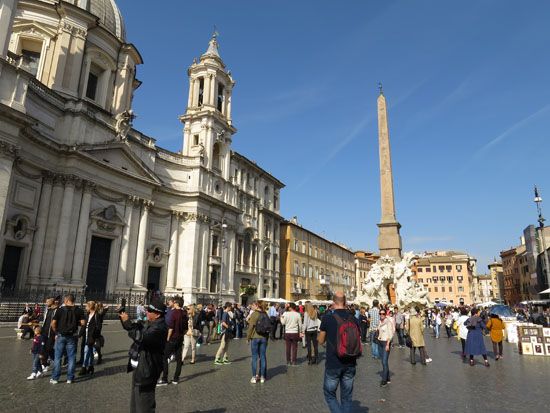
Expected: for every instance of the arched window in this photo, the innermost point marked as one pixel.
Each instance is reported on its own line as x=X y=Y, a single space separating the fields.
x=97 y=76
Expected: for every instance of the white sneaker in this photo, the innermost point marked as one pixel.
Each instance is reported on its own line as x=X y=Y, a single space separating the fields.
x=262 y=379
x=52 y=381
x=32 y=376
x=428 y=360
x=253 y=380
x=69 y=381
x=45 y=369
x=38 y=374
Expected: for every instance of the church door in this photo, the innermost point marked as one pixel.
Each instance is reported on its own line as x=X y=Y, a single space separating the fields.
x=153 y=278
x=98 y=264
x=10 y=266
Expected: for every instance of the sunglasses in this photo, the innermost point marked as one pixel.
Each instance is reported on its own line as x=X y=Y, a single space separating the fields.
x=382 y=313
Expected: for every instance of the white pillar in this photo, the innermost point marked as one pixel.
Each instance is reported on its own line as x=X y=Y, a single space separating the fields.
x=230 y=263
x=63 y=227
x=7 y=11
x=173 y=252
x=139 y=278
x=40 y=233
x=204 y=271
x=7 y=156
x=213 y=91
x=206 y=92
x=190 y=98
x=122 y=279
x=82 y=234
x=181 y=270
x=228 y=115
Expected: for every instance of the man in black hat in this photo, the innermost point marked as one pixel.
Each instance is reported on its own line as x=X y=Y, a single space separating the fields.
x=146 y=355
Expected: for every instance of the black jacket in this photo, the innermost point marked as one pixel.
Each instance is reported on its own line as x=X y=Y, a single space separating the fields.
x=149 y=342
x=94 y=329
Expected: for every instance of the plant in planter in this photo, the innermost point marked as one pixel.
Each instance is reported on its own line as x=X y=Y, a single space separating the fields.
x=248 y=289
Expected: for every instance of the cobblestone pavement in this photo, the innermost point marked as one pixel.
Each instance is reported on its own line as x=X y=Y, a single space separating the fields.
x=517 y=383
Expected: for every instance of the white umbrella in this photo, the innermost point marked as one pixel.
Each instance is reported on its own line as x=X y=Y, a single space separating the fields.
x=545 y=291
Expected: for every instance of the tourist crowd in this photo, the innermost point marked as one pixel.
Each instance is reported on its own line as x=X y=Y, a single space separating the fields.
x=169 y=332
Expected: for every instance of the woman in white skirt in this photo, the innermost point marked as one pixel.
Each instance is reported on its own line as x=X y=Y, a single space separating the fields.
x=192 y=334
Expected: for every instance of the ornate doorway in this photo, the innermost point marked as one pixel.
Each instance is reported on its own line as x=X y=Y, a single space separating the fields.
x=98 y=264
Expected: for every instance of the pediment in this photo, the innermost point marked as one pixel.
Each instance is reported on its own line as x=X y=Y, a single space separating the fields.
x=34 y=29
x=120 y=158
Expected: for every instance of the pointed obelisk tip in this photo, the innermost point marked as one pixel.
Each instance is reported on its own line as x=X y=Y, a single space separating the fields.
x=380 y=88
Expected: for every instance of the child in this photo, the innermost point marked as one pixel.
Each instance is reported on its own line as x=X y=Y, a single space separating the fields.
x=37 y=350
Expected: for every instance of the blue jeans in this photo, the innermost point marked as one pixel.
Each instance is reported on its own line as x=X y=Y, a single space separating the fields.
x=36 y=365
x=384 y=356
x=63 y=343
x=88 y=356
x=374 y=347
x=437 y=327
x=259 y=347
x=340 y=376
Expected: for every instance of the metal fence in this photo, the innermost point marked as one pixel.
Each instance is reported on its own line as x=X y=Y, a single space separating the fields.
x=13 y=302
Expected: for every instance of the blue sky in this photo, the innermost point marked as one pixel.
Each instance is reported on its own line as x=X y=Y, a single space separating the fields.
x=468 y=88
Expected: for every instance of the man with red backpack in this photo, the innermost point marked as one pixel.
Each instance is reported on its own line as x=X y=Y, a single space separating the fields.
x=341 y=332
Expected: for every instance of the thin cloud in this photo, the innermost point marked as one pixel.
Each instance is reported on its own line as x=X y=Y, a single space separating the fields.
x=356 y=131
x=512 y=129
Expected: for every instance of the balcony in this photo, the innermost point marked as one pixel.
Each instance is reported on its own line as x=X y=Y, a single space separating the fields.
x=214 y=260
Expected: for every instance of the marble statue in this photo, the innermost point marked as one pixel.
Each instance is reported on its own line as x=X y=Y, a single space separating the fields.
x=124 y=123
x=389 y=270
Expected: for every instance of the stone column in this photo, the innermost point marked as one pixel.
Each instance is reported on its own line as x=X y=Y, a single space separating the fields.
x=213 y=91
x=204 y=271
x=7 y=11
x=139 y=278
x=207 y=88
x=40 y=233
x=51 y=227
x=82 y=234
x=63 y=227
x=125 y=243
x=190 y=98
x=230 y=263
x=173 y=252
x=228 y=114
x=7 y=156
x=181 y=270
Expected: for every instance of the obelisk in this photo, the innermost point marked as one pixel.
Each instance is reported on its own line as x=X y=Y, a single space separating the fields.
x=389 y=240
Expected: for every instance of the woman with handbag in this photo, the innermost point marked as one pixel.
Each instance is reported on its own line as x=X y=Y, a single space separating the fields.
x=89 y=336
x=384 y=335
x=474 y=342
x=192 y=334
x=310 y=328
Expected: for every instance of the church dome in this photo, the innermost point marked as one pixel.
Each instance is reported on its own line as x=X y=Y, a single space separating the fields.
x=108 y=13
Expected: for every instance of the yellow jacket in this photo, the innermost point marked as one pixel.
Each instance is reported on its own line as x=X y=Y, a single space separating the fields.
x=495 y=326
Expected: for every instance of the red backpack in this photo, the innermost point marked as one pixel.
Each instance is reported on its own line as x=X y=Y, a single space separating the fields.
x=348 y=338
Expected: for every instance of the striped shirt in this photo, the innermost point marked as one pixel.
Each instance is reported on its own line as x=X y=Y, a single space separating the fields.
x=374 y=317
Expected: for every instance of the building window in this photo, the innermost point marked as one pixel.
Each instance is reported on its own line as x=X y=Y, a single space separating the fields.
x=275 y=260
x=215 y=245
x=428 y=269
x=429 y=290
x=459 y=267
x=30 y=61
x=220 y=98
x=442 y=289
x=214 y=281
x=239 y=251
x=216 y=157
x=201 y=91
x=93 y=81
x=420 y=280
x=435 y=289
x=296 y=268
x=450 y=289
x=449 y=279
x=195 y=140
x=304 y=270
x=460 y=289
x=296 y=245
x=449 y=268
x=419 y=269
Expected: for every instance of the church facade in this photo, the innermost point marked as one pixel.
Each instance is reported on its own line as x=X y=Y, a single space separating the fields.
x=88 y=202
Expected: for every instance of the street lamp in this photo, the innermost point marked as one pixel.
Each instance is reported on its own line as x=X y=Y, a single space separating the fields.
x=538 y=201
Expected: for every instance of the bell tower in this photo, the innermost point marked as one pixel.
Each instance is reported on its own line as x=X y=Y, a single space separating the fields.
x=208 y=126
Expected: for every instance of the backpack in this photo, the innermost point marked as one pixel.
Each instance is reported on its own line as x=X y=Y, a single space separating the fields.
x=263 y=324
x=68 y=325
x=348 y=338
